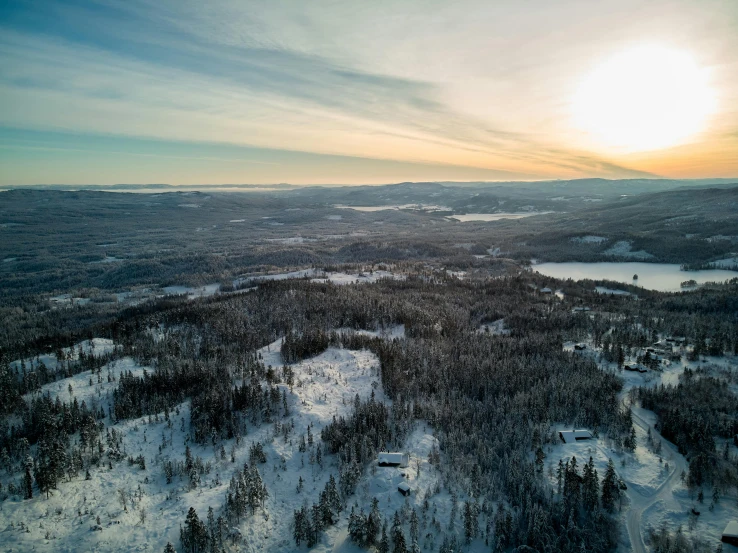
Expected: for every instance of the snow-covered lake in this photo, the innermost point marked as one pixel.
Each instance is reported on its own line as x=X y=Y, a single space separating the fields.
x=664 y=277
x=494 y=216
x=372 y=208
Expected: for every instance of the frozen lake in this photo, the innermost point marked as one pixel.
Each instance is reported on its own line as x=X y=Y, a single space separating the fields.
x=664 y=277
x=495 y=216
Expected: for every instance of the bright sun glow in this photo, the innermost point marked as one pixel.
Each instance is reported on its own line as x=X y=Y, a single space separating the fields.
x=644 y=99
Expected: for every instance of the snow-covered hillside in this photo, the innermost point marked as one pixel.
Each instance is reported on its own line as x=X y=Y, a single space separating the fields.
x=90 y=514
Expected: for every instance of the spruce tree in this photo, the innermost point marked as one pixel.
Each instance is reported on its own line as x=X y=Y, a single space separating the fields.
x=27 y=479
x=610 y=487
x=384 y=545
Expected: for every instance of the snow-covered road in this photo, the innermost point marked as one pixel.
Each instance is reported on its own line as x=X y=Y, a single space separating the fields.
x=640 y=499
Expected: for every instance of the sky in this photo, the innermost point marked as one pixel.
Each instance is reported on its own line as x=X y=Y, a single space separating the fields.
x=246 y=91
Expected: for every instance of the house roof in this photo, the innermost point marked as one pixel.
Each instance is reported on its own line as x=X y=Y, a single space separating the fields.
x=731 y=530
x=391 y=457
x=404 y=486
x=570 y=436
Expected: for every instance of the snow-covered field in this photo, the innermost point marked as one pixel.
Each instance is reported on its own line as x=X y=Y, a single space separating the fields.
x=356 y=278
x=100 y=390
x=611 y=291
x=623 y=248
x=396 y=331
x=467 y=217
x=96 y=346
x=317 y=275
x=589 y=239
x=191 y=293
x=497 y=328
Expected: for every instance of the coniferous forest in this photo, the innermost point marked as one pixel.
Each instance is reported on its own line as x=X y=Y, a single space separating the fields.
x=494 y=401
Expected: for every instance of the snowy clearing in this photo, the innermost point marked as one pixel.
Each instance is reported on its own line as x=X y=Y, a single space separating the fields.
x=623 y=248
x=589 y=239
x=191 y=293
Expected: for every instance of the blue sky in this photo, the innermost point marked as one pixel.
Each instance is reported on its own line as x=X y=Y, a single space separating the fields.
x=230 y=91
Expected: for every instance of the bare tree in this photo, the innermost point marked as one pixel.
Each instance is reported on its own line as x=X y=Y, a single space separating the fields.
x=123 y=498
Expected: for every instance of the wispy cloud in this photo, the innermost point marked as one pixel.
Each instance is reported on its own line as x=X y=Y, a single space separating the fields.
x=297 y=77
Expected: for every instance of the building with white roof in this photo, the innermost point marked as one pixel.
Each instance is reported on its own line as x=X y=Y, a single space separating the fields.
x=730 y=534
x=393 y=459
x=573 y=436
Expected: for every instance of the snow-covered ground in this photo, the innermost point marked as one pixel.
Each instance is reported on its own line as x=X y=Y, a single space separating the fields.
x=317 y=275
x=195 y=292
x=589 y=239
x=611 y=291
x=67 y=300
x=356 y=278
x=396 y=331
x=497 y=328
x=467 y=217
x=96 y=346
x=99 y=390
x=656 y=495
x=325 y=386
x=623 y=248
x=727 y=263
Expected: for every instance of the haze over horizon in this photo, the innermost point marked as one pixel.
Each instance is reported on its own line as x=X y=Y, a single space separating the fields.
x=104 y=92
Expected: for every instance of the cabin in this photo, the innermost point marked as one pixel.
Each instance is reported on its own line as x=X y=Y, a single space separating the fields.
x=635 y=368
x=730 y=534
x=393 y=460
x=404 y=488
x=546 y=290
x=573 y=436
x=580 y=347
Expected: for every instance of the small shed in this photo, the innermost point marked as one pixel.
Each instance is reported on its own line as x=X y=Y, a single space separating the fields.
x=730 y=534
x=404 y=488
x=397 y=459
x=573 y=436
x=546 y=290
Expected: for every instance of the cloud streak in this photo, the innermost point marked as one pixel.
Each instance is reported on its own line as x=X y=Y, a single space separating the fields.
x=249 y=74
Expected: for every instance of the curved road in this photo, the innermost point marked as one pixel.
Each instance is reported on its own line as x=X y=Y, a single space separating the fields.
x=639 y=501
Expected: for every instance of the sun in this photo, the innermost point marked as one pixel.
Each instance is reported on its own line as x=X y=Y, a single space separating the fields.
x=647 y=98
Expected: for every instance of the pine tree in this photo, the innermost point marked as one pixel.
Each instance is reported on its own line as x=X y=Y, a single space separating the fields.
x=299 y=526
x=373 y=523
x=169 y=548
x=399 y=542
x=384 y=545
x=317 y=525
x=212 y=531
x=194 y=536
x=590 y=487
x=540 y=456
x=610 y=487
x=357 y=527
x=471 y=521
x=414 y=530
x=572 y=489
x=28 y=480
